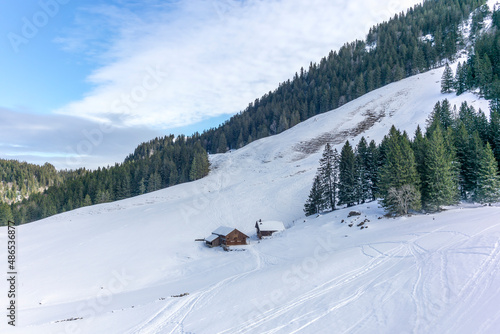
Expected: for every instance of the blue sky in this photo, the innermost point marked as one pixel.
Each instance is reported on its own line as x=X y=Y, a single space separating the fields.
x=83 y=83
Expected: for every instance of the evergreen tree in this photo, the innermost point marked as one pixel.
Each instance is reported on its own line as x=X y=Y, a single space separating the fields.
x=419 y=148
x=442 y=115
x=373 y=169
x=328 y=174
x=439 y=183
x=494 y=131
x=488 y=185
x=363 y=165
x=399 y=173
x=460 y=79
x=87 y=201
x=347 y=176
x=461 y=140
x=222 y=144
x=447 y=83
x=314 y=203
x=485 y=75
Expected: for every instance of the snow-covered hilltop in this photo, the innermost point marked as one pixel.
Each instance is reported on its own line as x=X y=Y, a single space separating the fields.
x=134 y=266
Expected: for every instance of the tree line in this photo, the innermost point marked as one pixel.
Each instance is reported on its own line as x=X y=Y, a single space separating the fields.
x=154 y=165
x=457 y=158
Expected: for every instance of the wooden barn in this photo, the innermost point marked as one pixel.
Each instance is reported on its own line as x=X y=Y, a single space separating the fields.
x=266 y=229
x=226 y=236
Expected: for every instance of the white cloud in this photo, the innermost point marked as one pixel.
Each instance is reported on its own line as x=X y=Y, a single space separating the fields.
x=188 y=60
x=66 y=141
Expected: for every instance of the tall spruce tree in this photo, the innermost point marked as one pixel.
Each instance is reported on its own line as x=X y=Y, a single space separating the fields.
x=442 y=115
x=494 y=131
x=447 y=83
x=328 y=174
x=314 y=203
x=461 y=141
x=373 y=169
x=439 y=181
x=363 y=164
x=488 y=183
x=347 y=176
x=460 y=79
x=222 y=144
x=419 y=147
x=399 y=174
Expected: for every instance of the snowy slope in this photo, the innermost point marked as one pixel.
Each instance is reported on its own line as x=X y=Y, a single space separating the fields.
x=118 y=265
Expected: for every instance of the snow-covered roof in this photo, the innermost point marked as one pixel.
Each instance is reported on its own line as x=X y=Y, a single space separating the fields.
x=211 y=238
x=223 y=230
x=271 y=226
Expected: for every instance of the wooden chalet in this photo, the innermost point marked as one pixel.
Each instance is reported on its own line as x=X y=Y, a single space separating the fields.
x=266 y=229
x=226 y=236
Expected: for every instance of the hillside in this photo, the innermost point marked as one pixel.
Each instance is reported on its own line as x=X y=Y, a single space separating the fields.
x=117 y=265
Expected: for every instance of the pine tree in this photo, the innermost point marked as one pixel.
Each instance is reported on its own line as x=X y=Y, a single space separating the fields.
x=460 y=79
x=485 y=75
x=439 y=183
x=494 y=131
x=399 y=173
x=347 y=176
x=419 y=148
x=222 y=148
x=195 y=170
x=328 y=174
x=440 y=114
x=447 y=80
x=488 y=185
x=314 y=203
x=373 y=169
x=87 y=201
x=363 y=165
x=461 y=140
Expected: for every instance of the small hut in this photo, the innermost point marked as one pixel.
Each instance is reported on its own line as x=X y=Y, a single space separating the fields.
x=212 y=241
x=266 y=229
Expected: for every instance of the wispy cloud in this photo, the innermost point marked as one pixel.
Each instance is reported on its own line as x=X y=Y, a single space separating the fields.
x=167 y=64
x=65 y=141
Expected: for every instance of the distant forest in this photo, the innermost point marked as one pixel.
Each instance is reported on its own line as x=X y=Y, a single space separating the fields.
x=408 y=44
